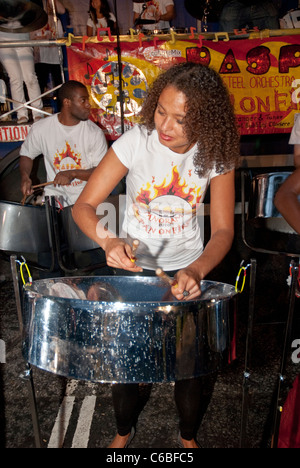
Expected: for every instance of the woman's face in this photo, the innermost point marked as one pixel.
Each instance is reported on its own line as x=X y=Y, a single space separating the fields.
x=169 y=120
x=96 y=4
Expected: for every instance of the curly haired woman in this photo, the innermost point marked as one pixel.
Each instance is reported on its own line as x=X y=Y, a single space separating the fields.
x=186 y=141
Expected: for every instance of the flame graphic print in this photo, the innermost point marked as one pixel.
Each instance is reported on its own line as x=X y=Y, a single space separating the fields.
x=167 y=209
x=175 y=187
x=67 y=159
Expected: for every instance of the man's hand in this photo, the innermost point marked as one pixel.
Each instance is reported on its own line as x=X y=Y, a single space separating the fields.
x=64 y=178
x=26 y=186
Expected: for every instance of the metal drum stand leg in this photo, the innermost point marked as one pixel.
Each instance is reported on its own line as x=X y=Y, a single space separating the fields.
x=286 y=348
x=247 y=374
x=26 y=376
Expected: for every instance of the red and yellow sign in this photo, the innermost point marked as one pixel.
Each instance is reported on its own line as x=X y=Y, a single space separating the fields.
x=262 y=75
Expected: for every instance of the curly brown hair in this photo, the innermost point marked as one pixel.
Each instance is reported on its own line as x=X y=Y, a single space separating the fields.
x=209 y=120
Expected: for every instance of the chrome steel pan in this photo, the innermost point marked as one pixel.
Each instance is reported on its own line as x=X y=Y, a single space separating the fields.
x=23 y=229
x=126 y=329
x=262 y=210
x=76 y=240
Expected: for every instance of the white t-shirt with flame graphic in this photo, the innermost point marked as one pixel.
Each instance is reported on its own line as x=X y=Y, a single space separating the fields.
x=80 y=146
x=163 y=197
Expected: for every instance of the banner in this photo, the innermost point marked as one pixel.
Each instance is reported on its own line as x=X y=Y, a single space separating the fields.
x=12 y=133
x=262 y=75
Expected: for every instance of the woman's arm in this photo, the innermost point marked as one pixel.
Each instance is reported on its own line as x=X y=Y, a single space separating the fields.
x=89 y=31
x=222 y=201
x=101 y=183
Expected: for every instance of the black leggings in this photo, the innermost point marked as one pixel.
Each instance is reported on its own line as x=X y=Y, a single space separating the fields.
x=187 y=398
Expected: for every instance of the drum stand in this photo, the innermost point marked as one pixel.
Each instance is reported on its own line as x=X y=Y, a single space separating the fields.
x=26 y=376
x=294 y=268
x=286 y=349
x=246 y=379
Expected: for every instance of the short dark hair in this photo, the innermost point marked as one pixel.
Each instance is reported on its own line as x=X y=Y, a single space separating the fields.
x=67 y=90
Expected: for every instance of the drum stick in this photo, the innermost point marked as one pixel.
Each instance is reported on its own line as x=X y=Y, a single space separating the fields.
x=135 y=245
x=42 y=185
x=162 y=275
x=34 y=187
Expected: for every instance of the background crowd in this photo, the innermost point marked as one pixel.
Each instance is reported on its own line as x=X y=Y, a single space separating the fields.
x=41 y=68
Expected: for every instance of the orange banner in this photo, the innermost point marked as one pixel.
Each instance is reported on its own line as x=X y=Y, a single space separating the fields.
x=262 y=75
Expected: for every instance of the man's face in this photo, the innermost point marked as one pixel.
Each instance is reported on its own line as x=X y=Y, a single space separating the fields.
x=79 y=104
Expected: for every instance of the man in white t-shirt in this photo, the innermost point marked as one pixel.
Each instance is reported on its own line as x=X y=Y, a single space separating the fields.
x=72 y=146
x=160 y=11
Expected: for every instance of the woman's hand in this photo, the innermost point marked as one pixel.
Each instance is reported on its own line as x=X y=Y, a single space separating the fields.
x=119 y=254
x=188 y=281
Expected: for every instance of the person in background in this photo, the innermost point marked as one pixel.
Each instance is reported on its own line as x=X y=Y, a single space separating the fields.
x=100 y=17
x=48 y=59
x=78 y=12
x=71 y=144
x=287 y=197
x=238 y=14
x=19 y=65
x=160 y=11
x=287 y=200
x=187 y=140
x=295 y=140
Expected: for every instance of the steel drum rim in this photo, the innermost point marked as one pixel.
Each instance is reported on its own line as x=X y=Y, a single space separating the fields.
x=28 y=289
x=7 y=202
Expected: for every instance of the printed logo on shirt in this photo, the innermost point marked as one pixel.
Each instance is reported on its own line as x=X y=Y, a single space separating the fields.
x=67 y=159
x=168 y=209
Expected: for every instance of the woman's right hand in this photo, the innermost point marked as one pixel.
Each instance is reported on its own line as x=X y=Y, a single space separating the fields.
x=119 y=254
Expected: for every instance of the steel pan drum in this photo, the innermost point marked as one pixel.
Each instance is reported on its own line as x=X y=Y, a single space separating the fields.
x=23 y=229
x=126 y=329
x=77 y=241
x=262 y=210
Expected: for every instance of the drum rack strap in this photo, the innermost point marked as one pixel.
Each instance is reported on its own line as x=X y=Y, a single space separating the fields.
x=22 y=264
x=244 y=269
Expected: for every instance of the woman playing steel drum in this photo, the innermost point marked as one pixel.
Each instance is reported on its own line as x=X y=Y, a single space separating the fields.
x=187 y=140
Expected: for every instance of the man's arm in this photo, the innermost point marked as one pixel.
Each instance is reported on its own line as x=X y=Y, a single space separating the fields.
x=169 y=15
x=66 y=177
x=297 y=156
x=25 y=171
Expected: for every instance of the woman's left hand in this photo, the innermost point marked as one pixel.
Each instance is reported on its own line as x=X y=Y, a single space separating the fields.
x=188 y=284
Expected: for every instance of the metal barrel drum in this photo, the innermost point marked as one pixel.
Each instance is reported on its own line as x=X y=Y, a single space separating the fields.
x=23 y=229
x=262 y=210
x=76 y=240
x=267 y=229
x=126 y=329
